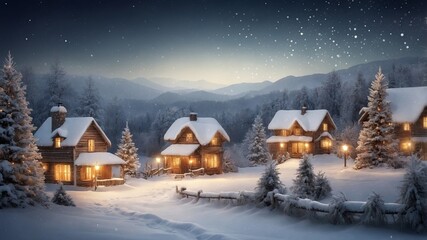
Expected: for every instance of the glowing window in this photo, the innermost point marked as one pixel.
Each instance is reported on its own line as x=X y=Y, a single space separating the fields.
x=405 y=146
x=62 y=172
x=214 y=141
x=91 y=145
x=406 y=127
x=284 y=133
x=189 y=137
x=211 y=161
x=325 y=143
x=297 y=147
x=325 y=127
x=424 y=122
x=86 y=173
x=176 y=162
x=57 y=142
x=297 y=131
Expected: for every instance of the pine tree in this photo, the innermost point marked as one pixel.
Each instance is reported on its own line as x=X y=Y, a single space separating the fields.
x=128 y=152
x=304 y=186
x=62 y=198
x=413 y=195
x=268 y=182
x=90 y=102
x=330 y=95
x=376 y=143
x=322 y=188
x=373 y=210
x=257 y=151
x=22 y=175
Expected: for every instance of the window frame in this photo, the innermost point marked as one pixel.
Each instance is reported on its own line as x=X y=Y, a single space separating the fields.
x=406 y=127
x=91 y=145
x=57 y=142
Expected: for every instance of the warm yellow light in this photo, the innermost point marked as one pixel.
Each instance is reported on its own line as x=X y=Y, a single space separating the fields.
x=345 y=147
x=157 y=159
x=282 y=145
x=409 y=144
x=306 y=145
x=96 y=167
x=191 y=161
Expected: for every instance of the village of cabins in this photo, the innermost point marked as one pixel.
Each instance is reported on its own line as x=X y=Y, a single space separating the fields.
x=74 y=149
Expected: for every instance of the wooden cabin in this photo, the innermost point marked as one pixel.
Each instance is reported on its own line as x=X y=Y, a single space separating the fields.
x=409 y=114
x=300 y=131
x=195 y=143
x=74 y=151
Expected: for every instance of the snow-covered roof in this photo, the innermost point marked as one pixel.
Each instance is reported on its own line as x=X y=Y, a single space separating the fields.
x=97 y=158
x=292 y=138
x=407 y=104
x=58 y=109
x=310 y=121
x=180 y=149
x=204 y=129
x=72 y=131
x=324 y=134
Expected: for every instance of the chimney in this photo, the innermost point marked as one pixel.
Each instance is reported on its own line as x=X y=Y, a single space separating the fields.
x=193 y=116
x=58 y=114
x=303 y=109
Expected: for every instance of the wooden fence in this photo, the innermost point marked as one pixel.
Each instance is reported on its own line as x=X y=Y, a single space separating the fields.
x=353 y=207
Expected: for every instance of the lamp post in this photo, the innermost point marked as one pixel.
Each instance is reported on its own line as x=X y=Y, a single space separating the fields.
x=345 y=150
x=96 y=176
x=158 y=166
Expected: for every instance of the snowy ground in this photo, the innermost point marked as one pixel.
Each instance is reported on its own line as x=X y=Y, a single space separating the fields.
x=150 y=209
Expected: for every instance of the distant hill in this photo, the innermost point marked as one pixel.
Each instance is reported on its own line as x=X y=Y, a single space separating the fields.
x=195 y=96
x=239 y=88
x=175 y=84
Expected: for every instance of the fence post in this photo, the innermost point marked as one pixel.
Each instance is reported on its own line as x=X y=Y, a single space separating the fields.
x=198 y=195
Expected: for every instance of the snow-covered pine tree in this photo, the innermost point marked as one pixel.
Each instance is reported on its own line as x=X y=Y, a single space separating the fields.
x=337 y=211
x=228 y=164
x=128 y=152
x=322 y=188
x=62 y=198
x=376 y=143
x=90 y=102
x=413 y=195
x=268 y=182
x=373 y=210
x=257 y=151
x=22 y=180
x=304 y=182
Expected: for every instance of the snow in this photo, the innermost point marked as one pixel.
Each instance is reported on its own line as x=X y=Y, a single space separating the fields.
x=61 y=109
x=180 y=149
x=324 y=134
x=73 y=129
x=310 y=121
x=150 y=209
x=204 y=129
x=292 y=138
x=97 y=158
x=407 y=104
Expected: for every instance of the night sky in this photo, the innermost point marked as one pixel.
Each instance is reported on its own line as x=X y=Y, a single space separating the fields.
x=222 y=41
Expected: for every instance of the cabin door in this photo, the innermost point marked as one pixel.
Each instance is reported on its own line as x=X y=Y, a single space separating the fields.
x=297 y=149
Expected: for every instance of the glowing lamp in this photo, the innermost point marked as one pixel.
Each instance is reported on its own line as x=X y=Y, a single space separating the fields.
x=96 y=167
x=345 y=147
x=282 y=145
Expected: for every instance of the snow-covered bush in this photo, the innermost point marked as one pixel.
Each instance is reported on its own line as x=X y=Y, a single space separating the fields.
x=396 y=163
x=62 y=198
x=283 y=157
x=413 y=195
x=268 y=182
x=228 y=163
x=337 y=211
x=322 y=188
x=304 y=182
x=373 y=210
x=147 y=171
x=290 y=206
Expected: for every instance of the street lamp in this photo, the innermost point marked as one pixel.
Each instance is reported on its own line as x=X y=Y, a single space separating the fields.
x=158 y=166
x=345 y=150
x=96 y=175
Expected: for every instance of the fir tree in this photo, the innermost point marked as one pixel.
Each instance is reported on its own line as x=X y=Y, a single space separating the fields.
x=62 y=198
x=322 y=188
x=257 y=147
x=21 y=173
x=89 y=102
x=376 y=143
x=304 y=182
x=268 y=182
x=413 y=195
x=128 y=152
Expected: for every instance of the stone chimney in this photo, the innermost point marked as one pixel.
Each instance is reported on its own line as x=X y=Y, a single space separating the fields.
x=193 y=116
x=303 y=109
x=58 y=114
